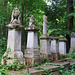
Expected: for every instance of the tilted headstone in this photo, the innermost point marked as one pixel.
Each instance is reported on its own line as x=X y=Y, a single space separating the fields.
x=45 y=40
x=32 y=54
x=55 y=48
x=14 y=38
x=72 y=42
x=62 y=45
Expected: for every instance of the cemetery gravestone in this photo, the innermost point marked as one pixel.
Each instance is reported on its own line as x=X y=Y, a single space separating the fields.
x=62 y=45
x=45 y=41
x=55 y=48
x=32 y=54
x=72 y=42
x=14 y=39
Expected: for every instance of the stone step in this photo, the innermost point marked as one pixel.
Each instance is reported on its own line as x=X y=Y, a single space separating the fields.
x=53 y=67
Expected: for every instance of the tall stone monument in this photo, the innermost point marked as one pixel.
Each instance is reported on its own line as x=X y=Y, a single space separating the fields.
x=45 y=40
x=32 y=54
x=55 y=48
x=14 y=38
x=62 y=45
x=72 y=42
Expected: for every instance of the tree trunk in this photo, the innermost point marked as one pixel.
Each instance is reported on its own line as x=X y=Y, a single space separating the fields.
x=70 y=21
x=22 y=16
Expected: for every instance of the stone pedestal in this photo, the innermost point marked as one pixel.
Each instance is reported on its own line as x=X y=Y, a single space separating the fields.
x=32 y=54
x=72 y=42
x=62 y=46
x=55 y=48
x=45 y=46
x=14 y=40
x=14 y=45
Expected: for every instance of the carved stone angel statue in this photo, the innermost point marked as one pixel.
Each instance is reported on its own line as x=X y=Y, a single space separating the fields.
x=15 y=17
x=32 y=21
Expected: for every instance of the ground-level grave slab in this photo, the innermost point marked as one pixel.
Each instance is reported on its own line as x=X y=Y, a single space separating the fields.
x=51 y=68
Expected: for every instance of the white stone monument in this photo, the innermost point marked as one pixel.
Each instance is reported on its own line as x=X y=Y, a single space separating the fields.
x=14 y=39
x=62 y=45
x=55 y=48
x=32 y=54
x=72 y=42
x=45 y=41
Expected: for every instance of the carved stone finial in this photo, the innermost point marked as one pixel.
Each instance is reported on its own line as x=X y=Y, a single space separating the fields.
x=45 y=18
x=32 y=21
x=15 y=17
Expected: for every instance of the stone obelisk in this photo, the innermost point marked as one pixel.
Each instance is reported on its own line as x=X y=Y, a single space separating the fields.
x=45 y=41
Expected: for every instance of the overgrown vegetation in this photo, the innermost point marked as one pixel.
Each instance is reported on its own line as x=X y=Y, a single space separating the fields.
x=60 y=22
x=9 y=67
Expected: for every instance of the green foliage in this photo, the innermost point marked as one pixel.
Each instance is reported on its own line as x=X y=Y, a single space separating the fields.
x=71 y=55
x=68 y=72
x=15 y=66
x=5 y=57
x=2 y=72
x=26 y=73
x=33 y=65
x=43 y=60
x=3 y=45
x=39 y=68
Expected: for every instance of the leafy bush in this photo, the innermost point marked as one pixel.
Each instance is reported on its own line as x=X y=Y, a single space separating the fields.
x=2 y=72
x=71 y=55
x=3 y=45
x=26 y=73
x=69 y=72
x=15 y=66
x=43 y=60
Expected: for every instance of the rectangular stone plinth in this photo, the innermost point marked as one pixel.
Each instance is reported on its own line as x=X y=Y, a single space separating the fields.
x=32 y=40
x=72 y=45
x=44 y=46
x=14 y=40
x=13 y=56
x=54 y=46
x=62 y=48
x=32 y=55
x=11 y=61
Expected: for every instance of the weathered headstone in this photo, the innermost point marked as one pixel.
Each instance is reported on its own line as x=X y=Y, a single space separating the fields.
x=32 y=54
x=72 y=42
x=45 y=41
x=62 y=45
x=14 y=38
x=55 y=48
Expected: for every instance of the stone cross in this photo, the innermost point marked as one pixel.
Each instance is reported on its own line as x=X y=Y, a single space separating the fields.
x=44 y=24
